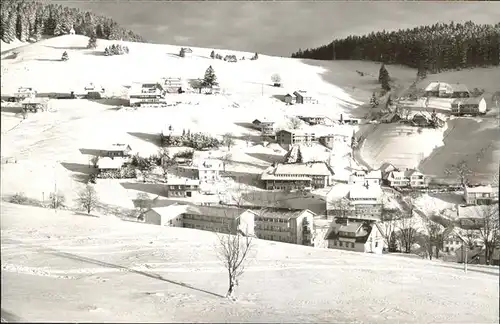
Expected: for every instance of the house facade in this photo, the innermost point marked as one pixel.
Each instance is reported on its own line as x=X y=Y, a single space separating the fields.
x=469 y=106
x=416 y=179
x=267 y=128
x=366 y=202
x=313 y=120
x=182 y=188
x=172 y=85
x=446 y=90
x=355 y=236
x=303 y=97
x=116 y=150
x=288 y=138
x=480 y=195
x=147 y=95
x=340 y=134
x=397 y=179
x=297 y=176
x=285 y=225
x=209 y=170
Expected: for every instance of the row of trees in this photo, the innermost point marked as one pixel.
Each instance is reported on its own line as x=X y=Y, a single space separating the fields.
x=28 y=19
x=429 y=48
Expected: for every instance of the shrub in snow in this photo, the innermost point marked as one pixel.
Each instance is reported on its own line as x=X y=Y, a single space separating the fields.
x=212 y=54
x=57 y=200
x=65 y=56
x=383 y=78
x=197 y=141
x=19 y=198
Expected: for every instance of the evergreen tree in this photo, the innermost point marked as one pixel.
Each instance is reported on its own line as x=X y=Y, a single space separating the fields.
x=182 y=52
x=92 y=42
x=65 y=56
x=212 y=54
x=299 y=158
x=373 y=101
x=393 y=247
x=210 y=79
x=383 y=78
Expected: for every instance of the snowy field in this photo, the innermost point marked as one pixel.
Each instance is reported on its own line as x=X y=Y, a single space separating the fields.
x=79 y=268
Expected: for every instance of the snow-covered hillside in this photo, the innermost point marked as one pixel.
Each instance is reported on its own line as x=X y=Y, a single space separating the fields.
x=111 y=270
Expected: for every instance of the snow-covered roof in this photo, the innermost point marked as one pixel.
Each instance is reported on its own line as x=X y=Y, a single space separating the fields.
x=480 y=211
x=482 y=189
x=109 y=163
x=313 y=168
x=375 y=174
x=396 y=174
x=446 y=87
x=187 y=50
x=171 y=211
x=282 y=213
x=118 y=147
x=183 y=181
x=361 y=192
x=34 y=100
x=298 y=132
x=302 y=93
x=468 y=101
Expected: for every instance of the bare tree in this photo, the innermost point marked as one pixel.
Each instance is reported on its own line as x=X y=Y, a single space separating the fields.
x=228 y=140
x=433 y=238
x=87 y=198
x=276 y=79
x=489 y=233
x=94 y=160
x=461 y=171
x=294 y=123
x=232 y=251
x=341 y=207
x=404 y=112
x=56 y=200
x=226 y=159
x=143 y=204
x=407 y=233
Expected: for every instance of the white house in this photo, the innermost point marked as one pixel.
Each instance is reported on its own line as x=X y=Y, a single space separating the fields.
x=147 y=95
x=397 y=179
x=108 y=163
x=355 y=236
x=373 y=178
x=209 y=170
x=480 y=195
x=416 y=178
x=166 y=216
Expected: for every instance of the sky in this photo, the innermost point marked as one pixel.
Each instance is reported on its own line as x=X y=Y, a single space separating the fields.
x=279 y=27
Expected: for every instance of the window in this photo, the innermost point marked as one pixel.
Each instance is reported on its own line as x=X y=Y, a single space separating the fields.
x=334 y=243
x=376 y=244
x=451 y=249
x=352 y=245
x=340 y=243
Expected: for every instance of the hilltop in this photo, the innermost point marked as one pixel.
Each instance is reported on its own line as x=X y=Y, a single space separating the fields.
x=103 y=273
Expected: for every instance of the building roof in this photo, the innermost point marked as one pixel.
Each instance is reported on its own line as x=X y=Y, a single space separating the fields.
x=282 y=213
x=262 y=120
x=183 y=181
x=481 y=189
x=210 y=164
x=170 y=211
x=215 y=211
x=459 y=87
x=412 y=172
x=361 y=192
x=109 y=163
x=118 y=147
x=396 y=174
x=361 y=231
x=311 y=168
x=301 y=93
x=187 y=50
x=374 y=174
x=298 y=132
x=468 y=101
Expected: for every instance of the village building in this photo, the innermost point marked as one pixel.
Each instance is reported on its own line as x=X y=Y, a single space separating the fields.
x=147 y=95
x=366 y=202
x=23 y=93
x=421 y=120
x=445 y=90
x=397 y=179
x=480 y=195
x=356 y=236
x=287 y=138
x=207 y=218
x=313 y=120
x=110 y=164
x=390 y=118
x=182 y=188
x=172 y=85
x=116 y=150
x=188 y=52
x=33 y=104
x=303 y=97
x=338 y=134
x=285 y=225
x=265 y=126
x=469 y=106
x=297 y=176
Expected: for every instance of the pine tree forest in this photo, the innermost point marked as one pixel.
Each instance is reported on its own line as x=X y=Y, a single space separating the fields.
x=428 y=48
x=30 y=20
